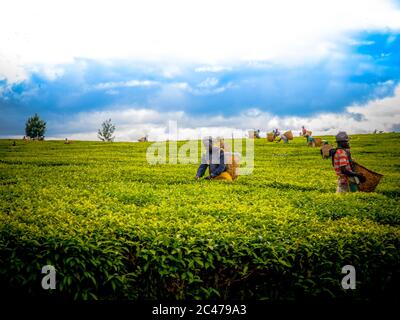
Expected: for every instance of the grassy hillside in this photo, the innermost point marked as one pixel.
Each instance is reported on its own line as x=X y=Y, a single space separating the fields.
x=115 y=227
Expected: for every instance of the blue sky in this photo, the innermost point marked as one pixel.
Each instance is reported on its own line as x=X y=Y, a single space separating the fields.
x=327 y=74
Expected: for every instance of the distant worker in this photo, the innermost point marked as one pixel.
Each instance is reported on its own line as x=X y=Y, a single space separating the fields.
x=310 y=139
x=303 y=131
x=308 y=135
x=276 y=133
x=257 y=134
x=283 y=137
x=214 y=160
x=348 y=179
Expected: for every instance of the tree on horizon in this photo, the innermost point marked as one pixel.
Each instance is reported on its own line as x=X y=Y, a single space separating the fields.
x=106 y=131
x=35 y=127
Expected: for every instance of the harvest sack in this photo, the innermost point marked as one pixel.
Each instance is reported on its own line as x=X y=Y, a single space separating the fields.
x=372 y=178
x=325 y=151
x=270 y=137
x=224 y=176
x=232 y=161
x=318 y=142
x=289 y=135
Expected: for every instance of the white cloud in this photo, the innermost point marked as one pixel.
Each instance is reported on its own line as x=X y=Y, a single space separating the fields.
x=212 y=68
x=133 y=123
x=112 y=92
x=205 y=87
x=209 y=82
x=180 y=85
x=130 y=83
x=171 y=70
x=391 y=39
x=210 y=32
x=49 y=71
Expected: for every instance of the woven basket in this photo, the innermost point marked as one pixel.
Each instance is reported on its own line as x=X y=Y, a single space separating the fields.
x=270 y=137
x=233 y=165
x=318 y=142
x=325 y=151
x=373 y=178
x=289 y=135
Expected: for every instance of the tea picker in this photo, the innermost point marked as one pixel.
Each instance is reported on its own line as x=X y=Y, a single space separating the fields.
x=348 y=179
x=288 y=135
x=214 y=160
x=282 y=137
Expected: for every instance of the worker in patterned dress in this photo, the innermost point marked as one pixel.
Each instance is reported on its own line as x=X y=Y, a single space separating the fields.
x=348 y=179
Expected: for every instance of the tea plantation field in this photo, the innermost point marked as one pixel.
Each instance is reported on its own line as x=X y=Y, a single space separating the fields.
x=115 y=227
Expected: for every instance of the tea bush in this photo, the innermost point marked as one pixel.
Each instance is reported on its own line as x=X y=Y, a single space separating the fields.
x=115 y=227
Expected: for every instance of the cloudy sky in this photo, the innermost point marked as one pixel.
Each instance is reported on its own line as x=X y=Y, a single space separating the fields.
x=213 y=66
